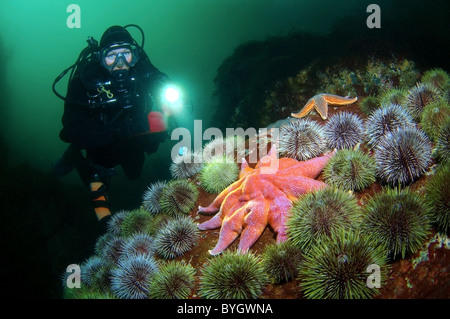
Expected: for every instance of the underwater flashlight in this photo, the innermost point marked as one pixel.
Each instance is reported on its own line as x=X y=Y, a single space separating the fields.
x=172 y=99
x=172 y=94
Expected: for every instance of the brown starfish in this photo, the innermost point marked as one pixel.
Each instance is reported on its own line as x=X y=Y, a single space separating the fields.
x=320 y=103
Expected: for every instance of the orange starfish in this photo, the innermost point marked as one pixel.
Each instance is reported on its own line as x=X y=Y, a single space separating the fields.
x=259 y=199
x=320 y=103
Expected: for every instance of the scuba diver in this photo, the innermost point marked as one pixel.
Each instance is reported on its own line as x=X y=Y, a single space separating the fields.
x=108 y=113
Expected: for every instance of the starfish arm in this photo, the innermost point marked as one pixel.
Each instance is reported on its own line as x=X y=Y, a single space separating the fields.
x=215 y=205
x=309 y=106
x=310 y=168
x=231 y=228
x=321 y=107
x=255 y=222
x=298 y=185
x=213 y=223
x=279 y=210
x=230 y=204
x=339 y=100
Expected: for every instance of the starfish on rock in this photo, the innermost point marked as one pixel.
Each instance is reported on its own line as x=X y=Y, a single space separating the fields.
x=320 y=103
x=260 y=198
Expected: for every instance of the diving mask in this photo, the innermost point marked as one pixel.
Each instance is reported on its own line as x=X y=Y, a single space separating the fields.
x=118 y=57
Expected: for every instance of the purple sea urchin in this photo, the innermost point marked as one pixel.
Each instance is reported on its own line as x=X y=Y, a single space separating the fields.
x=178 y=197
x=302 y=140
x=112 y=249
x=420 y=96
x=350 y=170
x=176 y=237
x=344 y=130
x=321 y=213
x=218 y=173
x=89 y=268
x=174 y=280
x=186 y=165
x=138 y=244
x=131 y=278
x=402 y=156
x=232 y=276
x=384 y=120
x=281 y=261
x=438 y=198
x=338 y=267
x=114 y=225
x=150 y=198
x=398 y=220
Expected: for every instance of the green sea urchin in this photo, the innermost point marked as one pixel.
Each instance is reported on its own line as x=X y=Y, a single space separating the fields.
x=350 y=170
x=178 y=197
x=344 y=130
x=402 y=156
x=339 y=267
x=218 y=173
x=131 y=278
x=434 y=116
x=438 y=78
x=136 y=221
x=232 y=276
x=186 y=165
x=176 y=237
x=384 y=120
x=420 y=96
x=150 y=198
x=321 y=213
x=393 y=96
x=302 y=140
x=398 y=220
x=370 y=104
x=174 y=280
x=438 y=198
x=442 y=151
x=281 y=261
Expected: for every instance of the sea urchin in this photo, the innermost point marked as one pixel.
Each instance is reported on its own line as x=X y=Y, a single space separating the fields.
x=178 y=197
x=338 y=268
x=350 y=170
x=232 y=276
x=321 y=213
x=176 y=236
x=344 y=130
x=402 y=156
x=398 y=220
x=302 y=139
x=131 y=278
x=174 y=280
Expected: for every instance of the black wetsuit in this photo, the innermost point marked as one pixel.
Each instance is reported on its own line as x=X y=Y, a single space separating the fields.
x=108 y=117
